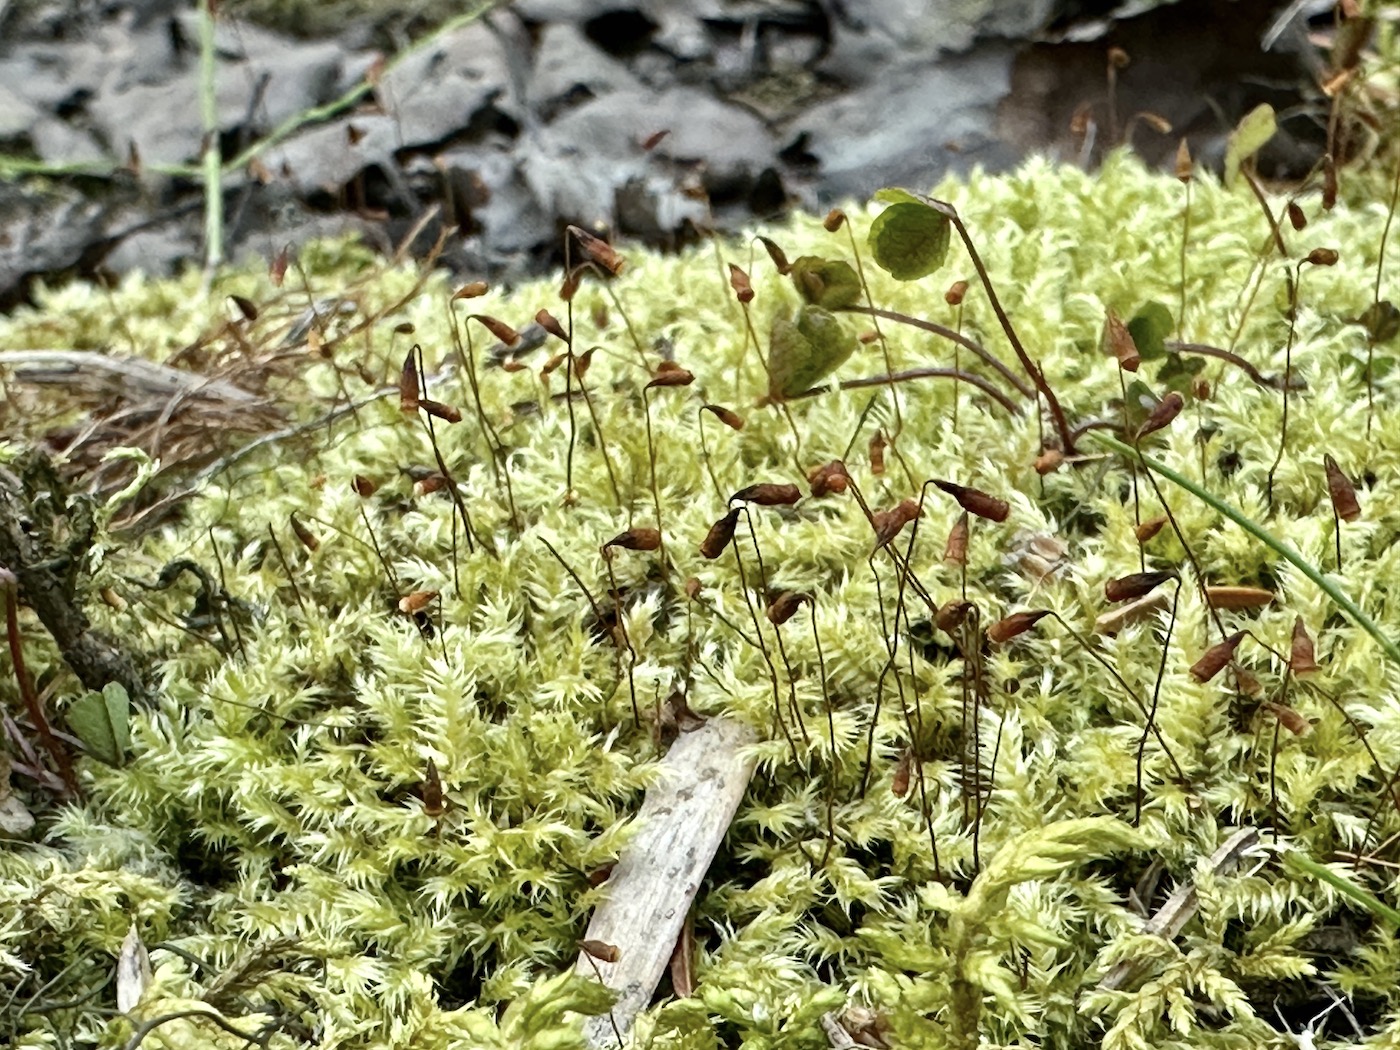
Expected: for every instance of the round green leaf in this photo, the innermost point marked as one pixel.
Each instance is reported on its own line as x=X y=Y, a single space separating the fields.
x=909 y=240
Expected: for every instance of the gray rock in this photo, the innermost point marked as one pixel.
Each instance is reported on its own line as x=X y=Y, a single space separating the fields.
x=161 y=115
x=44 y=230
x=435 y=92
x=566 y=61
x=329 y=155
x=17 y=115
x=898 y=129
x=509 y=215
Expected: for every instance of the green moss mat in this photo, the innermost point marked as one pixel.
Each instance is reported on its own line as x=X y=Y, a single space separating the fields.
x=267 y=822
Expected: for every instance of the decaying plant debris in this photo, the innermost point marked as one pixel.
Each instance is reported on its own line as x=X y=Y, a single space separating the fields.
x=418 y=634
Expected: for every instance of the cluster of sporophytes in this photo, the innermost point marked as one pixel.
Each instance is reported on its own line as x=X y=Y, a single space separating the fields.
x=879 y=487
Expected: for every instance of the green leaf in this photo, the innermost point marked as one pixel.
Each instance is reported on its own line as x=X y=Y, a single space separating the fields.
x=1381 y=321
x=1256 y=128
x=1149 y=328
x=826 y=282
x=804 y=351
x=102 y=721
x=1179 y=372
x=909 y=239
x=895 y=195
x=1139 y=404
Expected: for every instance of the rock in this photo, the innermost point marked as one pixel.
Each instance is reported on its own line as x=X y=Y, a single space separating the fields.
x=899 y=129
x=17 y=116
x=567 y=64
x=43 y=230
x=435 y=92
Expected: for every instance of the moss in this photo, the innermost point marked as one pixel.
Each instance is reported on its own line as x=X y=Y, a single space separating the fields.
x=273 y=802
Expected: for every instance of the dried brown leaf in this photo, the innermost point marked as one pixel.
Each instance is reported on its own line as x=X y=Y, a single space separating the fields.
x=304 y=536
x=1302 y=657
x=438 y=410
x=732 y=420
x=502 y=331
x=899 y=786
x=636 y=539
x=1119 y=342
x=683 y=961
x=1162 y=413
x=1150 y=528
x=955 y=550
x=784 y=606
x=434 y=805
x=1290 y=719
x=416 y=602
x=889 y=523
x=1017 y=623
x=1234 y=597
x=877 y=452
x=780 y=260
x=1049 y=461
x=675 y=376
x=550 y=324
x=408 y=383
x=739 y=281
x=601 y=950
x=471 y=290
x=599 y=250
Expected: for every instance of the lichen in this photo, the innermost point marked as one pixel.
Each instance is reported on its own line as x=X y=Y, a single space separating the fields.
x=270 y=823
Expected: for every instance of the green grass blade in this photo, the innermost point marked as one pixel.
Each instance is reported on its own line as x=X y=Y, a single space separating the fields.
x=1303 y=864
x=1282 y=549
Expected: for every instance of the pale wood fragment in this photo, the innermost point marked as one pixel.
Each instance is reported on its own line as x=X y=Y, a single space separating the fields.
x=681 y=824
x=1172 y=916
x=130 y=377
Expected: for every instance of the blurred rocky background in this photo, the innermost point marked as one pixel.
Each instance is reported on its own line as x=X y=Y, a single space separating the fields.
x=547 y=112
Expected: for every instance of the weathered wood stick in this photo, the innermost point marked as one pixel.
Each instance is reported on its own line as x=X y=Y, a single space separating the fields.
x=1168 y=920
x=129 y=376
x=681 y=824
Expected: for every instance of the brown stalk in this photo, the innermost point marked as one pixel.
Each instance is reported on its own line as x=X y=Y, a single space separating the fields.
x=954 y=336
x=9 y=585
x=1057 y=413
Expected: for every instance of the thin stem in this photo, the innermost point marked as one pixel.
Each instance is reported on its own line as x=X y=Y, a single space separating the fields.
x=212 y=159
x=32 y=704
x=917 y=373
x=953 y=335
x=1057 y=413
